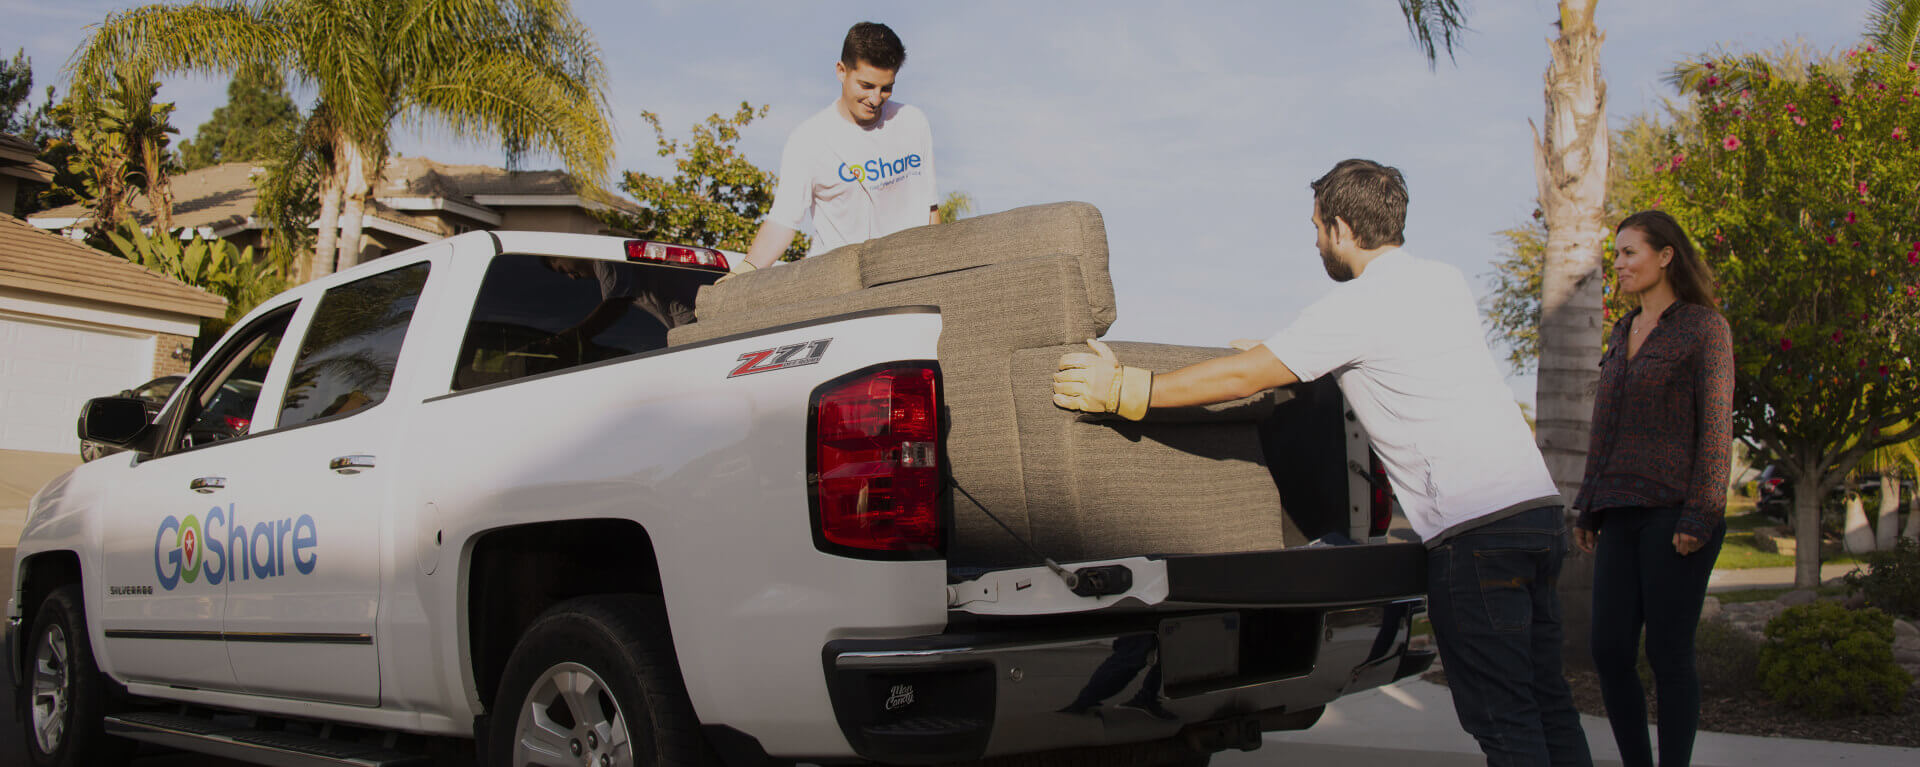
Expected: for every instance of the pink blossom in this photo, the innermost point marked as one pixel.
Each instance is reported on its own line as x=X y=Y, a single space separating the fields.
x=1731 y=142
x=1912 y=290
x=1913 y=258
x=1871 y=49
x=1883 y=371
x=1798 y=120
x=1832 y=240
x=1863 y=363
x=1792 y=109
x=1746 y=93
x=1899 y=133
x=1661 y=168
x=1837 y=335
x=1835 y=99
x=1786 y=345
x=1737 y=112
x=1862 y=187
x=1709 y=65
x=1879 y=86
x=1837 y=122
x=1850 y=217
x=1713 y=80
x=1912 y=66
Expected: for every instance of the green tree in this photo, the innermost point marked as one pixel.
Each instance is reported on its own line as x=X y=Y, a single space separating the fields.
x=956 y=206
x=715 y=198
x=215 y=265
x=16 y=86
x=1800 y=180
x=524 y=72
x=249 y=127
x=120 y=136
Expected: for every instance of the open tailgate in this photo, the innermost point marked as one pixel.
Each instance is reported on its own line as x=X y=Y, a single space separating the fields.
x=1296 y=577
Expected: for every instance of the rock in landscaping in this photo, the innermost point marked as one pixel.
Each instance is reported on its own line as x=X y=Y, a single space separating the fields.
x=1773 y=540
x=1710 y=609
x=1856 y=602
x=1903 y=629
x=1798 y=597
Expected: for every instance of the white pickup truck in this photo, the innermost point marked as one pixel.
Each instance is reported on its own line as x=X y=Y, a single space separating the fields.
x=483 y=510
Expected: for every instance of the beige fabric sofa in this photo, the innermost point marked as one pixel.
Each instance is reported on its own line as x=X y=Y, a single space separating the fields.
x=1016 y=290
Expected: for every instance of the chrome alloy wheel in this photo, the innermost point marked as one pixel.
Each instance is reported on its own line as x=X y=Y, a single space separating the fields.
x=570 y=719
x=51 y=686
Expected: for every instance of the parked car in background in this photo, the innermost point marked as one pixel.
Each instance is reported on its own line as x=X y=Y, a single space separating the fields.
x=1776 y=491
x=227 y=415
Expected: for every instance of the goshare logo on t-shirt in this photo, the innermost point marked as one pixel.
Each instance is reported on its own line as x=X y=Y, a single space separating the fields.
x=878 y=169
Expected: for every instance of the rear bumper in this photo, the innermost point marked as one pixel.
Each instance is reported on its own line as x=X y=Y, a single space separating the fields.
x=1212 y=679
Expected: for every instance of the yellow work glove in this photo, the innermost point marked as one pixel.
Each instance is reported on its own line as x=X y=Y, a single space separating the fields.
x=1097 y=383
x=739 y=267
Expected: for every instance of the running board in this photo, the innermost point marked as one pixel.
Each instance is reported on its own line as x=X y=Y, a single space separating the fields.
x=275 y=747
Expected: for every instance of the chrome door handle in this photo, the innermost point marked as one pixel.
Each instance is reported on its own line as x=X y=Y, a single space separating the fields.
x=207 y=484
x=351 y=464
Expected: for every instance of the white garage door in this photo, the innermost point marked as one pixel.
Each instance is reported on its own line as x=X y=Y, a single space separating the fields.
x=48 y=370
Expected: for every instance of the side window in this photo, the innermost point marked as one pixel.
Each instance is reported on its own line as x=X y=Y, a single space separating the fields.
x=346 y=361
x=221 y=402
x=537 y=314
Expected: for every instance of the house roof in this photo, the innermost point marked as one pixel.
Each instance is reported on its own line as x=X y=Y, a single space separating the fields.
x=215 y=197
x=31 y=259
x=21 y=159
x=223 y=196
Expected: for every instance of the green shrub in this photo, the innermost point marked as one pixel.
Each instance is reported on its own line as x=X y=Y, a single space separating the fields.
x=1830 y=661
x=1726 y=658
x=1892 y=579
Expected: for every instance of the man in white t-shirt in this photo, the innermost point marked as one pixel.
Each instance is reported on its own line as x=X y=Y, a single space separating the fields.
x=861 y=168
x=1402 y=337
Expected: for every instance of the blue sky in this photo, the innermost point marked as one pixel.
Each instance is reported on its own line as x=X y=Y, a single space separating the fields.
x=1194 y=127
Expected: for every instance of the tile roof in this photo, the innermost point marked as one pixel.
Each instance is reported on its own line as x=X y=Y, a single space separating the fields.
x=224 y=195
x=217 y=196
x=21 y=159
x=31 y=259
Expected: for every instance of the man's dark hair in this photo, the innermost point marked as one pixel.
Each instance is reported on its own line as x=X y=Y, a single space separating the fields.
x=1371 y=197
x=875 y=44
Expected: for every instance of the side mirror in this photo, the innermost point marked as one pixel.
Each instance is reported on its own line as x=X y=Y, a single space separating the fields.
x=116 y=421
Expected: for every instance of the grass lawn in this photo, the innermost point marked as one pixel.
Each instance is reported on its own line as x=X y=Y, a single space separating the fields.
x=1741 y=551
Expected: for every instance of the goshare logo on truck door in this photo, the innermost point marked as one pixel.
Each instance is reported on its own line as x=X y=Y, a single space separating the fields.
x=225 y=548
x=878 y=170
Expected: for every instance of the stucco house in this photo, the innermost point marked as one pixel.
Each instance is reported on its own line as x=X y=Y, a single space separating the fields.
x=76 y=323
x=416 y=201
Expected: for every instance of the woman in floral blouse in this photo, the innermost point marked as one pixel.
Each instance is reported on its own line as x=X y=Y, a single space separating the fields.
x=1655 y=490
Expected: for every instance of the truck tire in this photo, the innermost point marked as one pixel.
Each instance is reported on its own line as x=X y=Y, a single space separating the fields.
x=594 y=681
x=66 y=695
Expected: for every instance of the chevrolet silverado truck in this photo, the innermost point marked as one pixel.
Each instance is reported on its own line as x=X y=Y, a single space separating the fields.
x=509 y=498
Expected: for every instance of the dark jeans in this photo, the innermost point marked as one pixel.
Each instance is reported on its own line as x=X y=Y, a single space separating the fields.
x=1638 y=579
x=1496 y=617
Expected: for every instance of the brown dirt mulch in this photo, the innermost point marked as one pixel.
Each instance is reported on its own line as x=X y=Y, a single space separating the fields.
x=1756 y=714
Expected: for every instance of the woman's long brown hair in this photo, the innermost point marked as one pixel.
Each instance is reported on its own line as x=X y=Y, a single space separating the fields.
x=1691 y=277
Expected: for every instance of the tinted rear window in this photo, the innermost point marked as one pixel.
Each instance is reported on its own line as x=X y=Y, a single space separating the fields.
x=537 y=314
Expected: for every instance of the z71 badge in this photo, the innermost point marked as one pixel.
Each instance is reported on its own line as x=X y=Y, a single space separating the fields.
x=781 y=358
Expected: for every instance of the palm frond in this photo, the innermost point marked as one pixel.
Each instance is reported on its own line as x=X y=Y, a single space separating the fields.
x=219 y=36
x=1436 y=25
x=1894 y=27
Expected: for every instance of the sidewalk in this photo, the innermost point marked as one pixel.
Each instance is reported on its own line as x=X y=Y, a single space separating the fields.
x=1416 y=718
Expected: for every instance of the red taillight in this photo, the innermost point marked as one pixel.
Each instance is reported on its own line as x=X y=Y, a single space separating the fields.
x=1774 y=484
x=237 y=423
x=1380 y=509
x=875 y=468
x=642 y=250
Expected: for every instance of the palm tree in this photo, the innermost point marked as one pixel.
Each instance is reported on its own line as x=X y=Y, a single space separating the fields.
x=521 y=71
x=956 y=206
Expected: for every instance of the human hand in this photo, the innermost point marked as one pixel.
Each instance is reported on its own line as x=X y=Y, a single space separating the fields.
x=1586 y=539
x=1686 y=544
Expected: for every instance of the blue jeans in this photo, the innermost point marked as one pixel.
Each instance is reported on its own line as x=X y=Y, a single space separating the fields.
x=1639 y=580
x=1496 y=618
